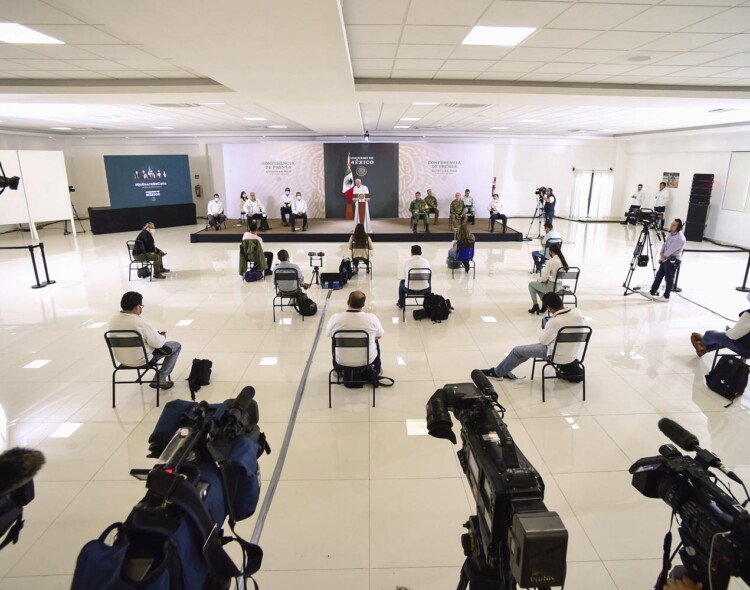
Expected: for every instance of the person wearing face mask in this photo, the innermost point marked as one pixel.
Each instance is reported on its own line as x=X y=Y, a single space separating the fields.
x=243 y=215
x=286 y=206
x=145 y=249
x=155 y=342
x=216 y=213
x=299 y=210
x=256 y=210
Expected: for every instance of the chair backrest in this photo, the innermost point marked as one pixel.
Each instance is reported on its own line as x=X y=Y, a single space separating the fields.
x=568 y=278
x=465 y=251
x=419 y=279
x=286 y=280
x=125 y=339
x=572 y=336
x=254 y=254
x=347 y=341
x=131 y=245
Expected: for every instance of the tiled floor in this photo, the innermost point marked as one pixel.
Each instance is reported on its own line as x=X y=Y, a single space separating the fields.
x=361 y=504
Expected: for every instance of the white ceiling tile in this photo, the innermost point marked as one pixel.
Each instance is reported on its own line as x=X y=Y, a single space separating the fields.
x=373 y=33
x=418 y=64
x=515 y=66
x=5 y=75
x=741 y=82
x=620 y=40
x=696 y=58
x=407 y=74
x=610 y=69
x=8 y=51
x=372 y=64
x=499 y=76
x=672 y=80
x=595 y=16
x=591 y=55
x=626 y=79
x=667 y=18
x=521 y=14
x=738 y=60
x=535 y=54
x=48 y=64
x=98 y=64
x=534 y=77
x=682 y=41
x=448 y=35
x=424 y=51
x=64 y=52
x=372 y=50
x=734 y=44
x=171 y=74
x=88 y=75
x=34 y=12
x=561 y=68
x=78 y=34
x=655 y=70
x=705 y=71
x=144 y=64
x=372 y=73
x=431 y=12
x=735 y=20
x=655 y=57
x=365 y=12
x=469 y=65
x=738 y=73
x=39 y=75
x=725 y=3
x=117 y=51
x=455 y=75
x=733 y=73
x=559 y=38
x=479 y=52
x=127 y=74
x=584 y=78
x=21 y=65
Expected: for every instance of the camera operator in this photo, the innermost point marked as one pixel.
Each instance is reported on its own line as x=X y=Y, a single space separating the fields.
x=549 y=205
x=670 y=258
x=636 y=201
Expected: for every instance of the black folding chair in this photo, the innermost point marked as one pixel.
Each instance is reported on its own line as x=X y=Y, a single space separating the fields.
x=568 y=279
x=136 y=265
x=131 y=339
x=465 y=253
x=567 y=336
x=285 y=276
x=416 y=275
x=349 y=340
x=545 y=252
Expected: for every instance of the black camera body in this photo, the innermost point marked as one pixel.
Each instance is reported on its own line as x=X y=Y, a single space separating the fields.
x=513 y=538
x=714 y=527
x=541 y=192
x=18 y=466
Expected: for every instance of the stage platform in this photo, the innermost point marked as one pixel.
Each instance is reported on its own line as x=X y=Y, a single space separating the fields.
x=339 y=230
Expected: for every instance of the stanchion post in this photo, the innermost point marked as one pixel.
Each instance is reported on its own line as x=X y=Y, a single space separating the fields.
x=744 y=288
x=44 y=261
x=36 y=272
x=675 y=288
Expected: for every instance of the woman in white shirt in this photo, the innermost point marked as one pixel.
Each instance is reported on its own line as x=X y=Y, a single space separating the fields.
x=360 y=246
x=546 y=282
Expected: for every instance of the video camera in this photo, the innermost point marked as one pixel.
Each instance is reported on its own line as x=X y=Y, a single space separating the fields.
x=316 y=258
x=10 y=182
x=513 y=538
x=207 y=472
x=541 y=192
x=17 y=470
x=714 y=527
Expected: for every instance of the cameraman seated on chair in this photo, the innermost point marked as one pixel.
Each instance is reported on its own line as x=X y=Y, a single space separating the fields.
x=415 y=287
x=155 y=342
x=356 y=319
x=561 y=316
x=290 y=288
x=540 y=256
x=736 y=338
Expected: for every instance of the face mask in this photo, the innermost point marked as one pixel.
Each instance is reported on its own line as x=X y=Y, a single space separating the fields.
x=216 y=200
x=152 y=231
x=287 y=193
x=299 y=198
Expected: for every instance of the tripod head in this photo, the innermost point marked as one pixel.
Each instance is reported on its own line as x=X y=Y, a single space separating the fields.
x=316 y=259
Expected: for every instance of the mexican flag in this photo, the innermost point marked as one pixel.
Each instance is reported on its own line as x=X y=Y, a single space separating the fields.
x=348 y=188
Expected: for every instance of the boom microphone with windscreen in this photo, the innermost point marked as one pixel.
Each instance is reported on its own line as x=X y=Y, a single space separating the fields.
x=684 y=439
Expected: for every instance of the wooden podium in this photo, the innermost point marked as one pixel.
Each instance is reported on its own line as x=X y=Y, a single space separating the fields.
x=361 y=211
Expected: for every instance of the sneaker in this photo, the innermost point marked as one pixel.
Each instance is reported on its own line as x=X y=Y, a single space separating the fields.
x=661 y=299
x=400 y=305
x=510 y=377
x=646 y=294
x=159 y=276
x=163 y=385
x=490 y=373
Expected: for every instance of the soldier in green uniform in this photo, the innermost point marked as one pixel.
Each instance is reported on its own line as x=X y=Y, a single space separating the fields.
x=417 y=209
x=458 y=211
x=431 y=205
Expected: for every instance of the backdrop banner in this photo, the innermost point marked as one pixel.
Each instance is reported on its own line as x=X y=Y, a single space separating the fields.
x=375 y=164
x=142 y=181
x=267 y=169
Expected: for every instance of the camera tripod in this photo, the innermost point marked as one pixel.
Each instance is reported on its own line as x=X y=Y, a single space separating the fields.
x=77 y=218
x=316 y=261
x=538 y=218
x=644 y=239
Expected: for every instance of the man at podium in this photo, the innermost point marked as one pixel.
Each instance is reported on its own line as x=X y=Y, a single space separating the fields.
x=361 y=205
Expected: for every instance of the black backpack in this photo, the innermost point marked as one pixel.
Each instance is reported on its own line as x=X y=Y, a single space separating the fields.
x=572 y=372
x=200 y=375
x=728 y=378
x=304 y=305
x=436 y=307
x=345 y=270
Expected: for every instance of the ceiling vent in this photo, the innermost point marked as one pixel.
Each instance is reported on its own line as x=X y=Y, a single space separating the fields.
x=176 y=105
x=465 y=105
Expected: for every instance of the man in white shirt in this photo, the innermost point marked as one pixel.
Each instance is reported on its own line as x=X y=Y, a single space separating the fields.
x=566 y=353
x=356 y=319
x=130 y=318
x=286 y=206
x=360 y=189
x=420 y=287
x=216 y=213
x=299 y=210
x=661 y=199
x=636 y=201
x=251 y=234
x=736 y=338
x=290 y=287
x=496 y=212
x=468 y=206
x=540 y=256
x=255 y=210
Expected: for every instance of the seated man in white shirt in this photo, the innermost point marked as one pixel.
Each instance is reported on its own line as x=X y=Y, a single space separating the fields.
x=496 y=212
x=299 y=211
x=286 y=206
x=256 y=210
x=129 y=318
x=415 y=287
x=252 y=234
x=356 y=319
x=216 y=213
x=290 y=287
x=566 y=353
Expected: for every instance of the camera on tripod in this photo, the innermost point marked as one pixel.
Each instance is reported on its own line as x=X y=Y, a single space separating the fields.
x=714 y=526
x=316 y=258
x=541 y=192
x=513 y=538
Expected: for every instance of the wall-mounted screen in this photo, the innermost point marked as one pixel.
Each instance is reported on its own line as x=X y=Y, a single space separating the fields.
x=144 y=181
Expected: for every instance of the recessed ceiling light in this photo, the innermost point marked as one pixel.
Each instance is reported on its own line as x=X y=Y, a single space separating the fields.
x=254 y=118
x=503 y=36
x=277 y=126
x=409 y=118
x=498 y=128
x=183 y=323
x=62 y=128
x=531 y=121
x=15 y=33
x=425 y=104
x=37 y=364
x=269 y=361
x=162 y=128
x=489 y=319
x=401 y=126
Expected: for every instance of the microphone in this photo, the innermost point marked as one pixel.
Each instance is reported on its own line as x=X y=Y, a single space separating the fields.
x=484 y=385
x=244 y=399
x=684 y=439
x=18 y=466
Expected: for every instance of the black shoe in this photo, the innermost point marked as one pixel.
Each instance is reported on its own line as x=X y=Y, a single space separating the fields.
x=427 y=230
x=163 y=385
x=304 y=228
x=543 y=309
x=163 y=270
x=159 y=276
x=534 y=309
x=490 y=373
x=414 y=229
x=624 y=222
x=294 y=228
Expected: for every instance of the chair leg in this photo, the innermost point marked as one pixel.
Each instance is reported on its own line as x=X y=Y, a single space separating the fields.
x=584 y=381
x=533 y=367
x=158 y=386
x=474 y=266
x=113 y=387
x=544 y=392
x=373 y=395
x=329 y=387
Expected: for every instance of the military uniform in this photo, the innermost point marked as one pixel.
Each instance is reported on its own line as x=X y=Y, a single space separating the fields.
x=417 y=210
x=431 y=205
x=458 y=211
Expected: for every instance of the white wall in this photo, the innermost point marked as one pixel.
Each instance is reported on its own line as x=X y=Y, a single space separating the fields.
x=646 y=158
